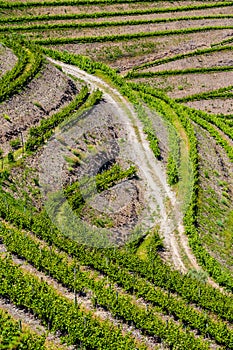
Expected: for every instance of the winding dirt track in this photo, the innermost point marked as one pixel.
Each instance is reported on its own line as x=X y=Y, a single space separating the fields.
x=158 y=191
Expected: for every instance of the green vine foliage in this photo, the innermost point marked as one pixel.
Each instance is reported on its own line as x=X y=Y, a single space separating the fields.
x=39 y=134
x=6 y=5
x=29 y=63
x=120 y=37
x=158 y=273
x=56 y=265
x=61 y=314
x=172 y=171
x=14 y=337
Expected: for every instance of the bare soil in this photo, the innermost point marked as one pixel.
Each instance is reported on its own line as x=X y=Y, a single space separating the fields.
x=7 y=59
x=179 y=86
x=215 y=59
x=95 y=8
x=170 y=218
x=214 y=11
x=43 y=96
x=128 y=29
x=129 y=53
x=216 y=196
x=98 y=145
x=216 y=106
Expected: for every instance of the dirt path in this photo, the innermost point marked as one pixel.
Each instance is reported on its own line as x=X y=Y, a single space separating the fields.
x=158 y=191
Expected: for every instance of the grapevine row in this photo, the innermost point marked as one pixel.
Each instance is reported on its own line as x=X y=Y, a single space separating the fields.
x=158 y=273
x=75 y=325
x=213 y=267
x=181 y=56
x=135 y=75
x=10 y=5
x=39 y=134
x=202 y=119
x=226 y=129
x=121 y=37
x=208 y=95
x=29 y=63
x=14 y=337
x=48 y=260
x=21 y=19
x=67 y=25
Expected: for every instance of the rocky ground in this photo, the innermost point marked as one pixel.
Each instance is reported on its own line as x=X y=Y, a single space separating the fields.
x=221 y=58
x=7 y=60
x=216 y=196
x=178 y=86
x=43 y=96
x=127 y=54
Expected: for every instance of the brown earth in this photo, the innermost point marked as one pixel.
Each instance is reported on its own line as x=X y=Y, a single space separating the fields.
x=216 y=106
x=127 y=29
x=43 y=96
x=7 y=59
x=129 y=53
x=179 y=86
x=94 y=8
x=221 y=58
x=215 y=198
x=208 y=12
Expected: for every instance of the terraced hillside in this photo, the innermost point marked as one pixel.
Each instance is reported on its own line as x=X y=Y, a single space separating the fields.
x=116 y=174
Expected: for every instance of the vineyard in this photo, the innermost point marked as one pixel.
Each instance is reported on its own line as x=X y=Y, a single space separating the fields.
x=116 y=174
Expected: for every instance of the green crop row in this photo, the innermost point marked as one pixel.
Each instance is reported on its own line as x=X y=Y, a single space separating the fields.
x=203 y=119
x=101 y=181
x=121 y=305
x=39 y=134
x=227 y=117
x=67 y=25
x=213 y=267
x=201 y=70
x=29 y=63
x=223 y=42
x=74 y=325
x=21 y=19
x=181 y=56
x=172 y=171
x=191 y=290
x=87 y=64
x=222 y=125
x=14 y=337
x=148 y=129
x=224 y=92
x=18 y=69
x=207 y=96
x=120 y=37
x=9 y=5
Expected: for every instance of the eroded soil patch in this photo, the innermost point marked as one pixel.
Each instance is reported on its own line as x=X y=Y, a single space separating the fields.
x=215 y=199
x=42 y=97
x=129 y=53
x=179 y=86
x=7 y=59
